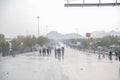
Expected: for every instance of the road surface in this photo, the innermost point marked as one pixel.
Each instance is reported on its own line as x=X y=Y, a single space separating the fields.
x=76 y=65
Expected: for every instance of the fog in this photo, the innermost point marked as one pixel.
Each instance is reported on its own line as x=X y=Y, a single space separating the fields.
x=19 y=17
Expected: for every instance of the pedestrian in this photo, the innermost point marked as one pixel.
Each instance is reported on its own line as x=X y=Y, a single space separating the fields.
x=110 y=55
x=44 y=51
x=62 y=52
x=116 y=55
x=40 y=51
x=103 y=52
x=99 y=52
x=59 y=53
x=55 y=52
x=119 y=54
x=47 y=51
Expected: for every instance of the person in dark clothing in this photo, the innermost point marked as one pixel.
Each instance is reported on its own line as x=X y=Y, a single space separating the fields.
x=119 y=54
x=40 y=52
x=55 y=52
x=110 y=55
x=44 y=51
x=116 y=55
x=62 y=52
x=47 y=51
x=59 y=53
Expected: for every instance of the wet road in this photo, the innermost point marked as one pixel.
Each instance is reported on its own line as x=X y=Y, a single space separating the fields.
x=76 y=65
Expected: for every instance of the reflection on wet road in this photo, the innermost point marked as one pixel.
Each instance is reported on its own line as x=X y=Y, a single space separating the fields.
x=119 y=73
x=76 y=65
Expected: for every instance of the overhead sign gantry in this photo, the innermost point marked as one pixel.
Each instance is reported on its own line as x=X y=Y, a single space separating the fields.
x=85 y=4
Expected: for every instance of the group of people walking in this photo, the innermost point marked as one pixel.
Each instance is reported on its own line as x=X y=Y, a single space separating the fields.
x=59 y=53
x=45 y=51
x=110 y=53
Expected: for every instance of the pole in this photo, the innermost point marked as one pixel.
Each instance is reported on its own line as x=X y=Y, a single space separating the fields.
x=99 y=1
x=46 y=30
x=26 y=32
x=38 y=25
x=83 y=2
x=67 y=2
x=77 y=33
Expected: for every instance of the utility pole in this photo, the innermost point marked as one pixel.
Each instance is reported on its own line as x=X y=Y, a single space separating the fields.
x=38 y=25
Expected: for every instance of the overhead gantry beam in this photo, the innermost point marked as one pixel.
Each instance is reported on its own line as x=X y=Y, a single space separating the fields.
x=85 y=4
x=90 y=4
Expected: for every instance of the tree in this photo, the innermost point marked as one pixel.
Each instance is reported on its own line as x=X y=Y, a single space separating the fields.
x=29 y=41
x=34 y=40
x=2 y=38
x=4 y=45
x=15 y=44
x=42 y=40
x=21 y=38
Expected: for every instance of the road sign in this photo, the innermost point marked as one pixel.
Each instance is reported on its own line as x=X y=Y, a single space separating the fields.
x=88 y=34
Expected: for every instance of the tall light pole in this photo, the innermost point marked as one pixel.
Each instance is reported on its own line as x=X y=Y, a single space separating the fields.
x=77 y=37
x=46 y=30
x=38 y=25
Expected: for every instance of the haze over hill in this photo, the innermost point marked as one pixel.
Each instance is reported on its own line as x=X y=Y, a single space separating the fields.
x=100 y=34
x=57 y=36
x=96 y=34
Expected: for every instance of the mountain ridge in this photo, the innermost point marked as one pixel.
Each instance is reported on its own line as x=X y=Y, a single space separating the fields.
x=96 y=34
x=57 y=36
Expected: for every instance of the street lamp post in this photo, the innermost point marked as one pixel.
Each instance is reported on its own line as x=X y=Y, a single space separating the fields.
x=46 y=30
x=38 y=25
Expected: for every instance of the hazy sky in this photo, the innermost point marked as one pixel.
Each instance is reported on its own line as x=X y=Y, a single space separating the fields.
x=18 y=17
